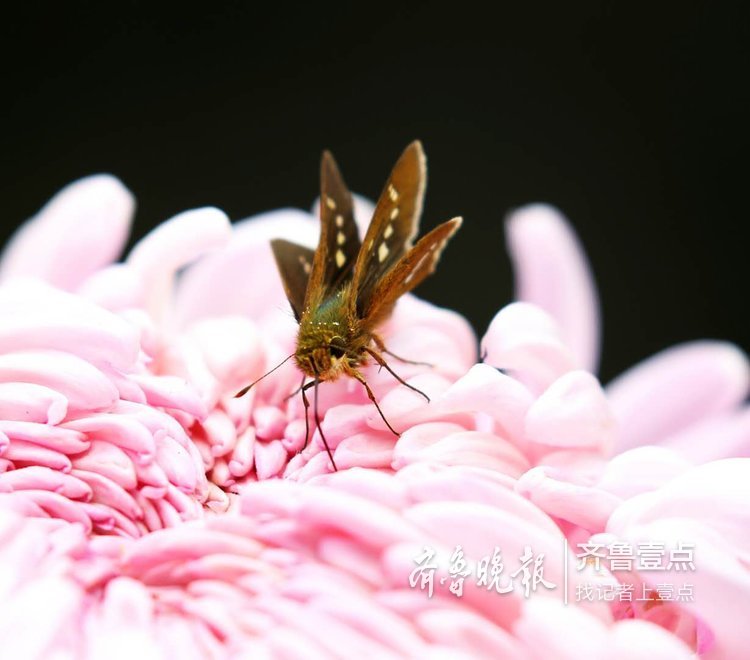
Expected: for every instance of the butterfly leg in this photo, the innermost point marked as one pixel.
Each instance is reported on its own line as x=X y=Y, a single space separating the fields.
x=371 y=395
x=317 y=424
x=381 y=347
x=306 y=402
x=379 y=359
x=299 y=389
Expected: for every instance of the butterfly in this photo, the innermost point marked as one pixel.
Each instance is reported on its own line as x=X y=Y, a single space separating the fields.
x=341 y=292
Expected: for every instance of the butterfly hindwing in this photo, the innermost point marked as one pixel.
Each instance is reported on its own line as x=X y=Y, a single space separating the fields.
x=394 y=225
x=295 y=264
x=413 y=267
x=339 y=244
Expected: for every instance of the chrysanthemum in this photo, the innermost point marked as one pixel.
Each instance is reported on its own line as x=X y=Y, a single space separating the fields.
x=145 y=510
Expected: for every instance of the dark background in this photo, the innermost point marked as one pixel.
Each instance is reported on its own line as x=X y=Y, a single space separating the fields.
x=632 y=121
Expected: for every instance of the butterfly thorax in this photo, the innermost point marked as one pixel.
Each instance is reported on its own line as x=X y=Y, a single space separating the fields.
x=330 y=341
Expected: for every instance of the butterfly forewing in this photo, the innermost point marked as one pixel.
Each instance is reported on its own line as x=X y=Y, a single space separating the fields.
x=393 y=227
x=413 y=267
x=295 y=264
x=339 y=244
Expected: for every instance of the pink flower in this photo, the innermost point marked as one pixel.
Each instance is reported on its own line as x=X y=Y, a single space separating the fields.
x=144 y=508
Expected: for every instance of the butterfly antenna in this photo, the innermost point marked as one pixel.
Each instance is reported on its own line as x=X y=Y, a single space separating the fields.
x=317 y=424
x=298 y=390
x=245 y=390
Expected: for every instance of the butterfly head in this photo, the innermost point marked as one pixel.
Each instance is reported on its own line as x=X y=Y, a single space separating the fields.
x=322 y=352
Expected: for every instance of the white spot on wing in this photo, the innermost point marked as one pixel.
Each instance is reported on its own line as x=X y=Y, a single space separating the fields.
x=339 y=220
x=394 y=213
x=340 y=238
x=382 y=252
x=388 y=231
x=305 y=265
x=340 y=258
x=330 y=203
x=392 y=193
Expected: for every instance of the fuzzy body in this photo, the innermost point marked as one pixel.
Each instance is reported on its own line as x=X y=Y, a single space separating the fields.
x=331 y=340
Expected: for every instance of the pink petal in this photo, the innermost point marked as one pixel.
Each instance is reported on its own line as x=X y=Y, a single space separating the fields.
x=462 y=629
x=642 y=469
x=81 y=229
x=722 y=436
x=52 y=437
x=721 y=576
x=270 y=458
x=58 y=506
x=21 y=452
x=226 y=283
x=572 y=413
x=36 y=316
x=526 y=341
x=170 y=392
x=36 y=477
x=116 y=287
x=28 y=402
x=423 y=332
x=181 y=543
x=125 y=621
x=37 y=620
x=220 y=432
x=465 y=448
x=110 y=461
x=582 y=505
x=172 y=245
x=372 y=485
x=714 y=494
x=481 y=390
x=639 y=640
x=232 y=349
x=677 y=388
x=365 y=521
x=369 y=450
x=433 y=483
x=177 y=463
x=549 y=629
x=243 y=455
x=109 y=493
x=84 y=386
x=552 y=272
x=269 y=421
x=122 y=431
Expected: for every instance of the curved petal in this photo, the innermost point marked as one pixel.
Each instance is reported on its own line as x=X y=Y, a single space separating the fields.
x=677 y=388
x=172 y=245
x=552 y=272
x=81 y=229
x=724 y=436
x=242 y=278
x=572 y=413
x=525 y=341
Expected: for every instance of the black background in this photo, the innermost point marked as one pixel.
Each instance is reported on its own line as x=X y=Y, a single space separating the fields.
x=633 y=121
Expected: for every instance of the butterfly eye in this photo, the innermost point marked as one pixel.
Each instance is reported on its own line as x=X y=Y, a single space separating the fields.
x=337 y=348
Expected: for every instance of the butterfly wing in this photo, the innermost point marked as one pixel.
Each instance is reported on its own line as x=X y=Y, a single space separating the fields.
x=295 y=264
x=394 y=225
x=413 y=267
x=339 y=244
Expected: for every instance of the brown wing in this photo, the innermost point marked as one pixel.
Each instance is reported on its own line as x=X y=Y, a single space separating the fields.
x=393 y=227
x=294 y=263
x=339 y=244
x=413 y=267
